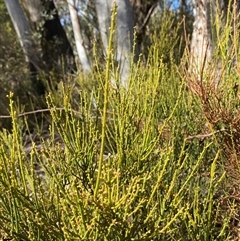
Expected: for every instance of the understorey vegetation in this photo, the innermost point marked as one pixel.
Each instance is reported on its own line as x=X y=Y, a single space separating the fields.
x=158 y=160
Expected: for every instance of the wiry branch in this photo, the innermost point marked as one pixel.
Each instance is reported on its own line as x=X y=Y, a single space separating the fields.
x=204 y=136
x=149 y=14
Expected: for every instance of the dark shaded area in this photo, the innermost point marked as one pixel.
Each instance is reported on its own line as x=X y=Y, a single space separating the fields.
x=142 y=11
x=57 y=53
x=37 y=84
x=56 y=48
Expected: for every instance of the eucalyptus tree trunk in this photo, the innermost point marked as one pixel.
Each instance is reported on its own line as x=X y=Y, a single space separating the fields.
x=124 y=33
x=57 y=53
x=24 y=34
x=103 y=9
x=125 y=26
x=201 y=43
x=33 y=8
x=82 y=54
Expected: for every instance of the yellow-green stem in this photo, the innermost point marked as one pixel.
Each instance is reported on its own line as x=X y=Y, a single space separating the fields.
x=105 y=105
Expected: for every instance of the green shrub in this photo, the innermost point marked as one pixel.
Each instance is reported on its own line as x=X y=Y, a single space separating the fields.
x=128 y=167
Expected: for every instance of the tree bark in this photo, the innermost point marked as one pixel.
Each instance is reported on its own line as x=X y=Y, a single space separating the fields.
x=57 y=53
x=103 y=9
x=24 y=34
x=201 y=43
x=124 y=30
x=33 y=8
x=125 y=26
x=82 y=55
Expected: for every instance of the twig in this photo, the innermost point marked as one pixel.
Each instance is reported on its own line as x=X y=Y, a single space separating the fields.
x=31 y=112
x=50 y=109
x=145 y=22
x=204 y=136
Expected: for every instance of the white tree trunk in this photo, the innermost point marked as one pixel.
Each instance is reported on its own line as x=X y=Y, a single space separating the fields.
x=124 y=36
x=103 y=8
x=23 y=31
x=201 y=43
x=78 y=37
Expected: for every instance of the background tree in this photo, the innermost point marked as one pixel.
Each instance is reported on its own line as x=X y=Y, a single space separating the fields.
x=52 y=33
x=201 y=43
x=124 y=33
x=210 y=20
x=82 y=54
x=24 y=34
x=142 y=12
x=55 y=46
